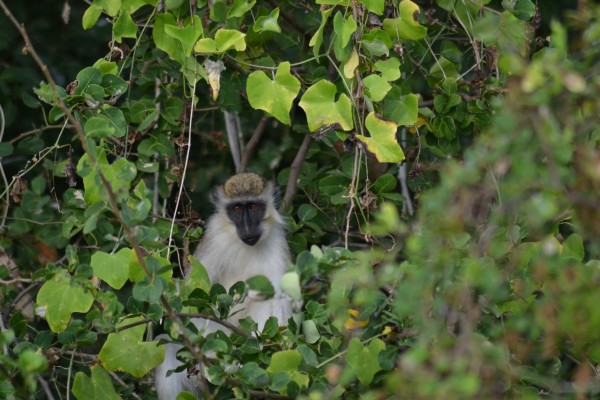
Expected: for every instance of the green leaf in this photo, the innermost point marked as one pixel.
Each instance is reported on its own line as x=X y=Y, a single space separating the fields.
x=268 y=23
x=137 y=274
x=225 y=39
x=402 y=109
x=240 y=7
x=186 y=35
x=288 y=361
x=390 y=68
x=274 y=96
x=112 y=268
x=321 y=108
x=376 y=43
x=290 y=284
x=113 y=85
x=96 y=387
x=91 y=15
x=351 y=64
x=198 y=277
x=573 y=247
x=85 y=77
x=374 y=6
x=6 y=149
x=406 y=25
x=119 y=175
x=163 y=41
x=363 y=360
x=98 y=128
x=127 y=351
x=230 y=39
x=124 y=27
x=377 y=87
x=382 y=143
x=310 y=331
x=59 y=299
x=385 y=183
x=261 y=284
x=317 y=39
x=524 y=10
x=306 y=212
x=344 y=28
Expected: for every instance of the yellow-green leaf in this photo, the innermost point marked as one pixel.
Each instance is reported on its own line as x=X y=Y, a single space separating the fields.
x=363 y=359
x=377 y=87
x=127 y=351
x=351 y=64
x=390 y=68
x=406 y=25
x=273 y=96
x=322 y=109
x=96 y=387
x=58 y=299
x=382 y=143
x=112 y=268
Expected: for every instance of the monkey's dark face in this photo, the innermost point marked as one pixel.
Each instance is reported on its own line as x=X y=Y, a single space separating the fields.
x=247 y=217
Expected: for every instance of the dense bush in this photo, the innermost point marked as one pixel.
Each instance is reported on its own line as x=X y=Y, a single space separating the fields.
x=441 y=171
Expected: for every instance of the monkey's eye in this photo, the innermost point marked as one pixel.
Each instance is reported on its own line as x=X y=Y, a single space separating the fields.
x=252 y=206
x=237 y=209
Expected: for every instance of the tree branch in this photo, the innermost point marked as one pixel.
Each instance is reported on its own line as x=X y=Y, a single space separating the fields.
x=290 y=190
x=251 y=145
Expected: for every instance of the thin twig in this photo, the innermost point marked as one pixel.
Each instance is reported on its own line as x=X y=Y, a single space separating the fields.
x=256 y=136
x=45 y=385
x=290 y=190
x=407 y=206
x=219 y=321
x=14 y=280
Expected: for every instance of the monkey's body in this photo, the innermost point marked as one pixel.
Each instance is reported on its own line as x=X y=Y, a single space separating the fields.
x=245 y=237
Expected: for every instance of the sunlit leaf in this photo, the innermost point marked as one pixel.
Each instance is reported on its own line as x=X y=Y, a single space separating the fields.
x=376 y=86
x=98 y=386
x=390 y=68
x=112 y=268
x=268 y=23
x=128 y=352
x=59 y=299
x=274 y=96
x=406 y=25
x=382 y=142
x=321 y=108
x=317 y=39
x=124 y=27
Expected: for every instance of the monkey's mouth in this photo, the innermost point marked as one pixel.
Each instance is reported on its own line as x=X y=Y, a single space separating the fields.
x=250 y=240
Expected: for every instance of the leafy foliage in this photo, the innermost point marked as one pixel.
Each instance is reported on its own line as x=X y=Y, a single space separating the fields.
x=456 y=109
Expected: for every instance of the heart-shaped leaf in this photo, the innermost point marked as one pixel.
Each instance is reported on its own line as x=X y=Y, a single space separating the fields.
x=321 y=108
x=59 y=299
x=377 y=87
x=127 y=351
x=390 y=68
x=406 y=25
x=96 y=387
x=383 y=141
x=112 y=268
x=363 y=360
x=273 y=96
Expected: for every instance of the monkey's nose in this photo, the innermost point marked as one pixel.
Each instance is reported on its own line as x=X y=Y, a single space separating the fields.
x=250 y=240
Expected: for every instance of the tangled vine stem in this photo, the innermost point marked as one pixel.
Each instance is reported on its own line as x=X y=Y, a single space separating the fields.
x=30 y=49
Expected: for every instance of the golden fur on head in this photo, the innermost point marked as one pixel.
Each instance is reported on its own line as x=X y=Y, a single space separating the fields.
x=244 y=185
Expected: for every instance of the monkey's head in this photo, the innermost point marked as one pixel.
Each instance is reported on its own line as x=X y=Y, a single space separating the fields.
x=250 y=203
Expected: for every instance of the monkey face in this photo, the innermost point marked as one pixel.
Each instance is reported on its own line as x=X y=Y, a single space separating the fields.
x=247 y=217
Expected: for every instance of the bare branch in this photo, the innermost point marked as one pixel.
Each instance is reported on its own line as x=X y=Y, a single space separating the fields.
x=290 y=190
x=256 y=136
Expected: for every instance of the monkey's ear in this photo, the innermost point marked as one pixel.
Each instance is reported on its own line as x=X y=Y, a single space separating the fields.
x=276 y=192
x=216 y=195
